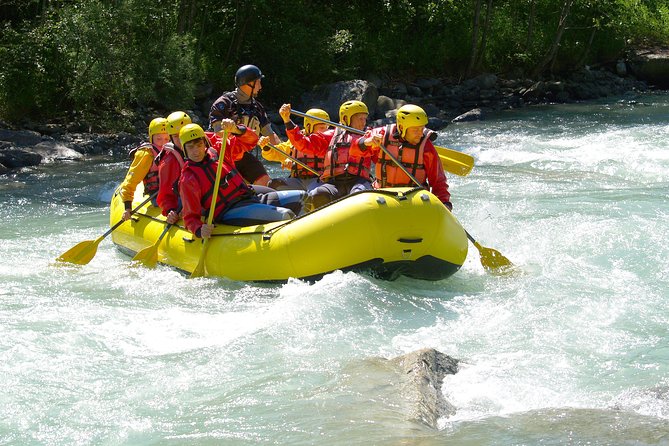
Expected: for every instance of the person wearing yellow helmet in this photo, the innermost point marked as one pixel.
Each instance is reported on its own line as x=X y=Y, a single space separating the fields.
x=170 y=162
x=300 y=177
x=242 y=107
x=343 y=172
x=143 y=166
x=237 y=203
x=410 y=142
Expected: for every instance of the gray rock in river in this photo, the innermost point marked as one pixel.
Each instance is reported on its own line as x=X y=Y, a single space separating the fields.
x=423 y=373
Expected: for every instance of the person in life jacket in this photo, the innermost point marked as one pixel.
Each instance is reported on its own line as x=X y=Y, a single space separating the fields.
x=343 y=172
x=170 y=162
x=236 y=204
x=300 y=178
x=410 y=142
x=143 y=166
x=242 y=107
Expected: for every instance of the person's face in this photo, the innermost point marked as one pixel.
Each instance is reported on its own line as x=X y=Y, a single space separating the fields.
x=320 y=127
x=160 y=139
x=359 y=121
x=414 y=134
x=196 y=150
x=257 y=87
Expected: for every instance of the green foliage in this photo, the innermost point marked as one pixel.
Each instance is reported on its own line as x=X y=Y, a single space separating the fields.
x=99 y=60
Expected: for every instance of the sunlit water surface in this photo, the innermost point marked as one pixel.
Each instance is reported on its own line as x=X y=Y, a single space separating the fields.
x=572 y=349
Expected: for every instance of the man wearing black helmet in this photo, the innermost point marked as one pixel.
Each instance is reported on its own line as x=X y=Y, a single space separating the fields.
x=242 y=107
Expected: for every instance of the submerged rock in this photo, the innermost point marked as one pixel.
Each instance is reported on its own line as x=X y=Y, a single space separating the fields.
x=423 y=373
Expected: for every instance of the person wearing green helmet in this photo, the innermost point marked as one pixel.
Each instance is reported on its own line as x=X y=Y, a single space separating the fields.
x=410 y=142
x=143 y=167
x=243 y=107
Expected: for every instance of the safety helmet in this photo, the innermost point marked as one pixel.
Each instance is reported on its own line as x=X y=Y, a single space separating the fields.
x=247 y=74
x=410 y=116
x=309 y=123
x=350 y=108
x=156 y=127
x=190 y=132
x=175 y=121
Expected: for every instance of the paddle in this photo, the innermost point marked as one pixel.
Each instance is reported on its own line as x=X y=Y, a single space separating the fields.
x=149 y=256
x=199 y=270
x=455 y=162
x=83 y=252
x=452 y=161
x=491 y=259
x=294 y=159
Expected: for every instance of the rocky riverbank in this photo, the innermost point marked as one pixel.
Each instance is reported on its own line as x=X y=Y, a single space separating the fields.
x=445 y=101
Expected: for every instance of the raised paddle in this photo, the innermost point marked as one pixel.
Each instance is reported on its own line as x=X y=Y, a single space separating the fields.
x=149 y=256
x=452 y=161
x=83 y=252
x=455 y=162
x=491 y=259
x=295 y=160
x=199 y=270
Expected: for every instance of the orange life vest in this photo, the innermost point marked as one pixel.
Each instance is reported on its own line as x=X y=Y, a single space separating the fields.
x=151 y=179
x=411 y=157
x=338 y=160
x=313 y=161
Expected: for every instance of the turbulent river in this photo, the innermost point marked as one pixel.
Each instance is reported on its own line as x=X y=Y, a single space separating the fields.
x=572 y=349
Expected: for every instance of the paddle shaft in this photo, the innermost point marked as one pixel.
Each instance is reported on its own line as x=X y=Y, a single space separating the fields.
x=217 y=183
x=162 y=235
x=121 y=221
x=271 y=146
x=199 y=269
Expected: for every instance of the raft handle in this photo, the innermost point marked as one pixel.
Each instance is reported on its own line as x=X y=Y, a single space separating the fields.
x=188 y=240
x=410 y=240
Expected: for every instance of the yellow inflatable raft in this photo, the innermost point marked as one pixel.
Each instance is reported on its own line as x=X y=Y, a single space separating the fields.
x=388 y=232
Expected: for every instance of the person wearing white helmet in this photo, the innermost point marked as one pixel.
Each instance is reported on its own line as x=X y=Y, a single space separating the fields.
x=410 y=142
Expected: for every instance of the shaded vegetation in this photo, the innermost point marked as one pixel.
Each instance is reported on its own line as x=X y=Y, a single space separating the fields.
x=102 y=60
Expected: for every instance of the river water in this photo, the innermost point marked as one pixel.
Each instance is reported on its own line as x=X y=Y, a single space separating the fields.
x=573 y=349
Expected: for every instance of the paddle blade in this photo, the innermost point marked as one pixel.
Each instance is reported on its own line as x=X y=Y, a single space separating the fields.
x=199 y=270
x=454 y=166
x=81 y=253
x=455 y=162
x=147 y=256
x=493 y=261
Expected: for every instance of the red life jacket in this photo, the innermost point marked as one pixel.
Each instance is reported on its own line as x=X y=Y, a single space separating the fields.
x=313 y=161
x=171 y=148
x=338 y=161
x=151 y=179
x=411 y=157
x=231 y=189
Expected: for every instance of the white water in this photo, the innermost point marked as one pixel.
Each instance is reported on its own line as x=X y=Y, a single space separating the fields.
x=572 y=350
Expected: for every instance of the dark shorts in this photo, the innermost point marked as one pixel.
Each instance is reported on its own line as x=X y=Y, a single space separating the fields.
x=250 y=167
